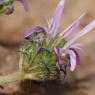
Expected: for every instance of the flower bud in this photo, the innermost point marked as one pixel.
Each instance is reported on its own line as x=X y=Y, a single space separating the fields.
x=7 y=7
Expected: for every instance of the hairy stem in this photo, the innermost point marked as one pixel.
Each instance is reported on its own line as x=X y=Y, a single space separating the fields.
x=11 y=78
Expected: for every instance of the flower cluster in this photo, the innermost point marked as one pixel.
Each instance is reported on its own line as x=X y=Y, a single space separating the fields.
x=7 y=7
x=48 y=52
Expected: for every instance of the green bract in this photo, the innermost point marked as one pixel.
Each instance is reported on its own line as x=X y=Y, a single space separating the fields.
x=40 y=59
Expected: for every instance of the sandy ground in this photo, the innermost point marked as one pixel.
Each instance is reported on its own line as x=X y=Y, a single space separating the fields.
x=12 y=28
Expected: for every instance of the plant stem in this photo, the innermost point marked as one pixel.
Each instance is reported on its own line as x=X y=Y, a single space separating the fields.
x=11 y=78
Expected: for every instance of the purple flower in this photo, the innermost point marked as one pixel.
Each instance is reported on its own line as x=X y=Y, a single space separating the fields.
x=7 y=6
x=58 y=40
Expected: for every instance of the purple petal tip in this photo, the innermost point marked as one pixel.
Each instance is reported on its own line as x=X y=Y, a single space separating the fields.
x=36 y=29
x=25 y=5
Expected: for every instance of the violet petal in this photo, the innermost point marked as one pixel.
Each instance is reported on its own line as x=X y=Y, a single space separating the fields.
x=72 y=27
x=36 y=29
x=25 y=5
x=77 y=56
x=57 y=50
x=58 y=53
x=84 y=31
x=54 y=22
x=72 y=56
x=77 y=46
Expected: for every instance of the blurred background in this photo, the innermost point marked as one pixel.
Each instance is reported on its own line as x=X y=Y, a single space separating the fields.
x=12 y=27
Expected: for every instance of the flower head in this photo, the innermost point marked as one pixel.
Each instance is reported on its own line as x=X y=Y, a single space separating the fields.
x=48 y=52
x=7 y=7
